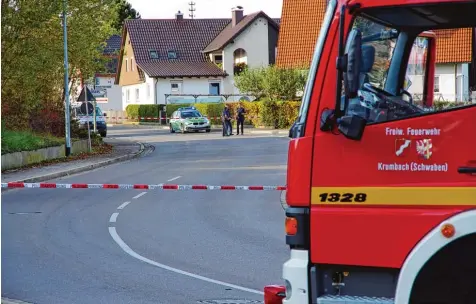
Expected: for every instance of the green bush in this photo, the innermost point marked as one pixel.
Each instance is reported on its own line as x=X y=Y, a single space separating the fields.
x=264 y=113
x=150 y=110
x=132 y=111
x=173 y=107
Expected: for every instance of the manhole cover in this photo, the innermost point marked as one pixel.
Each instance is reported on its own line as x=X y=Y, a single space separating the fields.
x=230 y=301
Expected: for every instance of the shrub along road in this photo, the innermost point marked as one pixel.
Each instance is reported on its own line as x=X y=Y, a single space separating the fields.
x=153 y=246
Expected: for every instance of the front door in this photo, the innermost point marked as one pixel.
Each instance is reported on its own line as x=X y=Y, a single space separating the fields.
x=373 y=199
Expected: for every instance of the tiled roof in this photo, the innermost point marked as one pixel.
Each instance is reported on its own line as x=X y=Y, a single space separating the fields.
x=187 y=37
x=113 y=45
x=231 y=32
x=180 y=69
x=453 y=45
x=302 y=19
x=300 y=24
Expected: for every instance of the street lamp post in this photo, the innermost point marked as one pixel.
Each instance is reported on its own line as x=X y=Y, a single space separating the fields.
x=66 y=83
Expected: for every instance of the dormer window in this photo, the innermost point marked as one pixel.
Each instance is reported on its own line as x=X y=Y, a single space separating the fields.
x=153 y=54
x=172 y=54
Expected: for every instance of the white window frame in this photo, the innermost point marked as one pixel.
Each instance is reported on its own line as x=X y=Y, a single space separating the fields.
x=128 y=96
x=179 y=88
x=436 y=85
x=148 y=91
x=137 y=95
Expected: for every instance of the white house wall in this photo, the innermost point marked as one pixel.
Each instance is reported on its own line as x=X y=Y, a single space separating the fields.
x=453 y=81
x=146 y=93
x=254 y=40
x=187 y=86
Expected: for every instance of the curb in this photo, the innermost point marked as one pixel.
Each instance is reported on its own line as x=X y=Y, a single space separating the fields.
x=55 y=175
x=12 y=301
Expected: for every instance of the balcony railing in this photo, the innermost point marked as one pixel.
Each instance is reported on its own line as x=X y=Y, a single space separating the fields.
x=205 y=98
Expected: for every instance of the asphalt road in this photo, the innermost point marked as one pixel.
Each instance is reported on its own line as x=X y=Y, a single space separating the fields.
x=134 y=246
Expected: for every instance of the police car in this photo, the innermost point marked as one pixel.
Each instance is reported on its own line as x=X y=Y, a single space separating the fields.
x=188 y=119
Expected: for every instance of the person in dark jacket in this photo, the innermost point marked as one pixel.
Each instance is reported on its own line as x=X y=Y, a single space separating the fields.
x=240 y=119
x=226 y=120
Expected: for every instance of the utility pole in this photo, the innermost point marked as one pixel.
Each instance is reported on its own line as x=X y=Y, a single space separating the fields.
x=191 y=9
x=66 y=83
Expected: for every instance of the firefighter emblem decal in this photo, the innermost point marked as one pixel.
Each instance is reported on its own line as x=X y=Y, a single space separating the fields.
x=401 y=146
x=424 y=148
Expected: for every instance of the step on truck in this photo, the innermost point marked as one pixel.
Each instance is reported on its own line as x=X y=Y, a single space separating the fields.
x=381 y=183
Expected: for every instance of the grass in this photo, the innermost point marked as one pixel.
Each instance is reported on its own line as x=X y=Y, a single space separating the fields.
x=17 y=141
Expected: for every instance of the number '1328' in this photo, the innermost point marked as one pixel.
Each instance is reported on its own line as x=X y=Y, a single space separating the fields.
x=343 y=197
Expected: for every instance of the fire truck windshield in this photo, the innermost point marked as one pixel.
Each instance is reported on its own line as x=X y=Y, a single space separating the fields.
x=373 y=101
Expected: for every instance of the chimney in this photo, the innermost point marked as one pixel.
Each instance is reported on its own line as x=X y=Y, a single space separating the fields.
x=236 y=15
x=179 y=15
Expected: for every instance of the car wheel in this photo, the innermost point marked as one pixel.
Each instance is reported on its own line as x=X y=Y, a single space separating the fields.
x=171 y=128
x=103 y=134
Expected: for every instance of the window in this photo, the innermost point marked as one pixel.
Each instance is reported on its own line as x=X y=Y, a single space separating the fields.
x=137 y=95
x=437 y=84
x=153 y=54
x=127 y=65
x=218 y=58
x=132 y=64
x=128 y=96
x=148 y=90
x=214 y=88
x=176 y=87
x=172 y=54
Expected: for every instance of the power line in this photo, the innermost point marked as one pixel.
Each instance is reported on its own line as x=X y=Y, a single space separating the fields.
x=192 y=9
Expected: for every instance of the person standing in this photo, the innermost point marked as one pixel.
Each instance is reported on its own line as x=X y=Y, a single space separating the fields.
x=226 y=117
x=240 y=119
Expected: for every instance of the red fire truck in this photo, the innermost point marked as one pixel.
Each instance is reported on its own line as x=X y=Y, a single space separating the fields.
x=381 y=184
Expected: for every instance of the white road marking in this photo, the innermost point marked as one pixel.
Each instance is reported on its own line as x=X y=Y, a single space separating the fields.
x=113 y=217
x=172 y=179
x=132 y=253
x=123 y=205
x=139 y=195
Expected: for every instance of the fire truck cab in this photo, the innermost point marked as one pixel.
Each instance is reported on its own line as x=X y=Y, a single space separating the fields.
x=381 y=183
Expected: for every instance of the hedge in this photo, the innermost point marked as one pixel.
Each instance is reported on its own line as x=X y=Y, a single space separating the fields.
x=280 y=114
x=275 y=114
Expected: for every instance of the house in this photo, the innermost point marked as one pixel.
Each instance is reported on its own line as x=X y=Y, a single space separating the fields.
x=455 y=74
x=168 y=60
x=108 y=95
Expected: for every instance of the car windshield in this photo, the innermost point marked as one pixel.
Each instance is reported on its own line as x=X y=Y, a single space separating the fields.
x=191 y=114
x=79 y=113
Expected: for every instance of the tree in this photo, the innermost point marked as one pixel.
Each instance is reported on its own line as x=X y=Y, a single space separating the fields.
x=32 y=55
x=124 y=12
x=272 y=82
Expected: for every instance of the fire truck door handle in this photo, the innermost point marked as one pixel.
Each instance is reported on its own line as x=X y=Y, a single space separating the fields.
x=467 y=170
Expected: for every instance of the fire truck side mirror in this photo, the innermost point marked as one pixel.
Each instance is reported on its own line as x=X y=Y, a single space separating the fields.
x=350 y=64
x=352 y=127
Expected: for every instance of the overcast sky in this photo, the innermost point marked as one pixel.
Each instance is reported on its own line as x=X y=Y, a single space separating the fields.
x=157 y=9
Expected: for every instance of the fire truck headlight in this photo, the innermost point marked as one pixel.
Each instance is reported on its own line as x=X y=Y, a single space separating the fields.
x=289 y=289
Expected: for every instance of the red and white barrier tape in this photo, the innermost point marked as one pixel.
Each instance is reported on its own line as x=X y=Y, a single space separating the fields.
x=139 y=186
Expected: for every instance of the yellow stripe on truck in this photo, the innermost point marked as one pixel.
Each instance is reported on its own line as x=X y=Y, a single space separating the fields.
x=437 y=196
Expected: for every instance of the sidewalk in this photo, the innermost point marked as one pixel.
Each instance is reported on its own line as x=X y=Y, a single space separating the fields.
x=122 y=150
